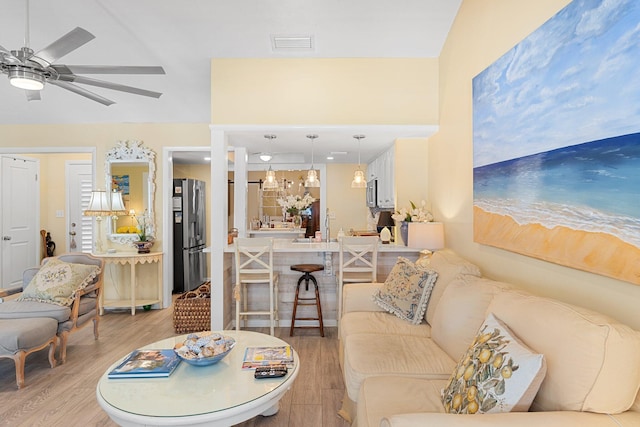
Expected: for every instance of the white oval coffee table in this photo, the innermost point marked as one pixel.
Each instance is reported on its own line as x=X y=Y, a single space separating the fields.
x=217 y=395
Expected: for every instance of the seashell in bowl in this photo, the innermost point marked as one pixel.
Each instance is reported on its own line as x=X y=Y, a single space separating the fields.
x=204 y=348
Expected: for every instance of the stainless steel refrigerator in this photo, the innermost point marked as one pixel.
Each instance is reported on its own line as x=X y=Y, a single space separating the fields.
x=189 y=234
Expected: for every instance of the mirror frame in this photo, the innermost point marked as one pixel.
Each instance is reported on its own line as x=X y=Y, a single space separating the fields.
x=132 y=151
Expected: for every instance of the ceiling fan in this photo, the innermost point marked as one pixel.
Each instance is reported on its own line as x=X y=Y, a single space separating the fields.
x=30 y=70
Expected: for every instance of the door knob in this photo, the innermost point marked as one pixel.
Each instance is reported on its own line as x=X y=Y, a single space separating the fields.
x=6 y=238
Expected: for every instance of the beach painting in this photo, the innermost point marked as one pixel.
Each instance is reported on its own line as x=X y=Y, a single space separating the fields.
x=556 y=138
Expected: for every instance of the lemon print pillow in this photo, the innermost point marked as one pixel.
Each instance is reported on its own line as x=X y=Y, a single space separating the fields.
x=498 y=373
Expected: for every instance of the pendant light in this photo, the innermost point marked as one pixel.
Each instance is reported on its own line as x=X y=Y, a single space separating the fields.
x=359 y=180
x=270 y=181
x=312 y=178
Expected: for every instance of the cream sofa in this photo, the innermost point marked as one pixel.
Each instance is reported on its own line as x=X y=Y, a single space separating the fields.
x=394 y=371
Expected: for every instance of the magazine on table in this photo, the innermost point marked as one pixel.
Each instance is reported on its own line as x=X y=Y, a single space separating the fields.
x=267 y=356
x=146 y=364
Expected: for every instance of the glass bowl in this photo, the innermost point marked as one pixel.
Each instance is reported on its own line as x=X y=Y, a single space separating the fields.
x=205 y=361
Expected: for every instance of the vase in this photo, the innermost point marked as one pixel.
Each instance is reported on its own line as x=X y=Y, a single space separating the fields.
x=297 y=221
x=143 y=247
x=404 y=232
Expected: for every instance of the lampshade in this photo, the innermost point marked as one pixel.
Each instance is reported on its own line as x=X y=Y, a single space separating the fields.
x=98 y=204
x=117 y=204
x=265 y=157
x=426 y=235
x=312 y=178
x=270 y=181
x=359 y=181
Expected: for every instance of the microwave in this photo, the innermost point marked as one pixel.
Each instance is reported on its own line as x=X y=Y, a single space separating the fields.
x=372 y=193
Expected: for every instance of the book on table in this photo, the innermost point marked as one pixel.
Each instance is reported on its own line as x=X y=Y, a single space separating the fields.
x=267 y=356
x=146 y=364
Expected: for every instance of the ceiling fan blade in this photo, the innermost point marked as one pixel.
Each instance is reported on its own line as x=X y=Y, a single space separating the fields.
x=33 y=95
x=9 y=57
x=82 y=92
x=107 y=69
x=64 y=45
x=108 y=85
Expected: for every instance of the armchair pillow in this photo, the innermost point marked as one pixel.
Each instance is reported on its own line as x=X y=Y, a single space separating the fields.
x=497 y=374
x=406 y=291
x=57 y=282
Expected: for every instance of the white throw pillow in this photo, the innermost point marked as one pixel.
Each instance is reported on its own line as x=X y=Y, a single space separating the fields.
x=498 y=373
x=406 y=291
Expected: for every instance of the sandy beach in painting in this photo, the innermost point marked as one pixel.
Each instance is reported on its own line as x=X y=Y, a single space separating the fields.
x=595 y=252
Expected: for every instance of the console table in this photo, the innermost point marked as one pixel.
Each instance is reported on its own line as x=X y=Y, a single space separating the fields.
x=132 y=259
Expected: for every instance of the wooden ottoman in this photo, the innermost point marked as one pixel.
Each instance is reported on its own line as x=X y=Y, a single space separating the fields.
x=20 y=337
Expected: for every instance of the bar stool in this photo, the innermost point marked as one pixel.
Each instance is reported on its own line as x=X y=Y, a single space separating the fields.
x=307 y=269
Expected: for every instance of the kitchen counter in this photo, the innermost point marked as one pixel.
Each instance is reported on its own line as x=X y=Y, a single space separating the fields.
x=288 y=245
x=287 y=253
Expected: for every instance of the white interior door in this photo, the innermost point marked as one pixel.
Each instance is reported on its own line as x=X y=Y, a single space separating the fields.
x=79 y=178
x=19 y=217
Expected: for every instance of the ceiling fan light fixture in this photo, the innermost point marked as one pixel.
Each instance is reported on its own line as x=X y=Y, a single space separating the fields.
x=265 y=157
x=25 y=79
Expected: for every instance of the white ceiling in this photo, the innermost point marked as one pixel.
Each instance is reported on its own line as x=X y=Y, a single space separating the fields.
x=183 y=36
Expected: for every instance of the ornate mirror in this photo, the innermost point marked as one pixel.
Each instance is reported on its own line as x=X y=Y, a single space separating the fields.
x=130 y=169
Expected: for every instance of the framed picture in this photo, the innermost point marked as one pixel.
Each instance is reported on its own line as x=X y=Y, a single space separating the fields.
x=121 y=183
x=556 y=140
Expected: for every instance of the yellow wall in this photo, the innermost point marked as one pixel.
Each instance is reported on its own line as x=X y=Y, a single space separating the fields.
x=104 y=137
x=53 y=194
x=324 y=91
x=481 y=33
x=348 y=205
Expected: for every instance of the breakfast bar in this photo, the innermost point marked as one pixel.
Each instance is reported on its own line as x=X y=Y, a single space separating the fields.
x=288 y=252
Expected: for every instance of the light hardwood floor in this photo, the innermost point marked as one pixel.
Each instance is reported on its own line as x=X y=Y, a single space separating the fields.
x=65 y=395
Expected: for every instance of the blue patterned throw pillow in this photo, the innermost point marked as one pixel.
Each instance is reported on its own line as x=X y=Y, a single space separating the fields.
x=406 y=291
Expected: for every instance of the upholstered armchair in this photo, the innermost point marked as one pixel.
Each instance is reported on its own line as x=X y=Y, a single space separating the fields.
x=70 y=318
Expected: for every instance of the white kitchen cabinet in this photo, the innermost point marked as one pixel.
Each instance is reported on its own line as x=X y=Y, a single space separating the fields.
x=382 y=169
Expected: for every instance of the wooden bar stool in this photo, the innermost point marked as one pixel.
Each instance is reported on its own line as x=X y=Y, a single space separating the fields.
x=307 y=269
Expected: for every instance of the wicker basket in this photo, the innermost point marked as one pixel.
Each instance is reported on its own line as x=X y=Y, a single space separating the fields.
x=192 y=311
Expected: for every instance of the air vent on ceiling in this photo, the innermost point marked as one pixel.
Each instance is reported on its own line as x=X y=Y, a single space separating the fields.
x=279 y=42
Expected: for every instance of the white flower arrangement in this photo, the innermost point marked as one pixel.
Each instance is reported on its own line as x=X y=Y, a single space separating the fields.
x=415 y=214
x=294 y=204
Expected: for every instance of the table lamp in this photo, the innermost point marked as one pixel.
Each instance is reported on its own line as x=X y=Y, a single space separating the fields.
x=99 y=207
x=428 y=236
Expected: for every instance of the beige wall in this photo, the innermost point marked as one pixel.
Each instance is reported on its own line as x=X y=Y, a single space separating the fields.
x=104 y=137
x=324 y=91
x=481 y=33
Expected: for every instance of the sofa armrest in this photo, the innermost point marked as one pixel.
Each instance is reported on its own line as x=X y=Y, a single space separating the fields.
x=520 y=419
x=359 y=297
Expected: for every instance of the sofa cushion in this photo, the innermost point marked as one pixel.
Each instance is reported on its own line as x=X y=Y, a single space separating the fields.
x=498 y=373
x=57 y=282
x=378 y=322
x=406 y=291
x=367 y=355
x=15 y=309
x=381 y=397
x=593 y=362
x=449 y=266
x=25 y=334
x=461 y=311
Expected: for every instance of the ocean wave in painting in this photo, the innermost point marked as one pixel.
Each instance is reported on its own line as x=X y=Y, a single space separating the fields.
x=551 y=215
x=593 y=187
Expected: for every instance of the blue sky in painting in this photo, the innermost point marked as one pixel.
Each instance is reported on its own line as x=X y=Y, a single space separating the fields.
x=575 y=79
